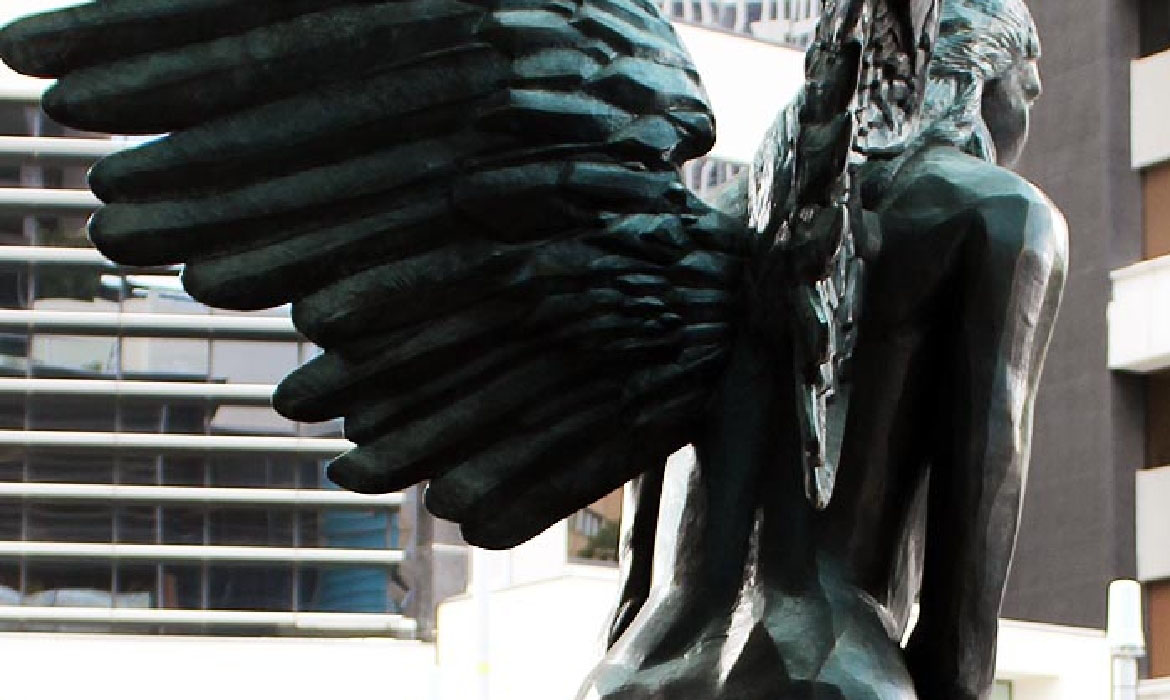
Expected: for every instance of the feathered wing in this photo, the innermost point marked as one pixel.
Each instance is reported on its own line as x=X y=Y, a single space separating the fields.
x=474 y=208
x=866 y=77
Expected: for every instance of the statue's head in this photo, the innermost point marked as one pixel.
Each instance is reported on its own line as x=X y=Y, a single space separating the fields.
x=984 y=78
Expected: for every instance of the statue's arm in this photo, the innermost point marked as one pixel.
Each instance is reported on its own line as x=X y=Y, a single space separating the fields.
x=1012 y=261
x=640 y=508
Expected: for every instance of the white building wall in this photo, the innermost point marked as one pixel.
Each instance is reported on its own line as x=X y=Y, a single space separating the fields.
x=748 y=82
x=544 y=637
x=106 y=667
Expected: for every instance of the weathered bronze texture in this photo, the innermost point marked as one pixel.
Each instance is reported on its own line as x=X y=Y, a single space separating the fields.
x=475 y=209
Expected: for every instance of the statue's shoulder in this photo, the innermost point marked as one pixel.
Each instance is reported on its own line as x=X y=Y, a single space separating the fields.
x=942 y=185
x=948 y=174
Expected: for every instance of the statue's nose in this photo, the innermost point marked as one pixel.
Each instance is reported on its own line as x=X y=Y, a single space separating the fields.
x=1031 y=83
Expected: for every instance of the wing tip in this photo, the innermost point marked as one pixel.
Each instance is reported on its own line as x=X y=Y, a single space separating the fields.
x=28 y=46
x=354 y=471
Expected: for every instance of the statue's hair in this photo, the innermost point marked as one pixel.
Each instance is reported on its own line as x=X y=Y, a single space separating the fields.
x=979 y=41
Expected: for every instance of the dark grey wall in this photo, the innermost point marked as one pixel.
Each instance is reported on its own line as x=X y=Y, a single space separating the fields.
x=1077 y=530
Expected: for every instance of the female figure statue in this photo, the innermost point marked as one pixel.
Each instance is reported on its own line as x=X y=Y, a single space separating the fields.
x=959 y=306
x=474 y=208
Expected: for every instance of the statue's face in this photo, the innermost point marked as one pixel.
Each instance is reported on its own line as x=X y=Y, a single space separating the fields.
x=1007 y=103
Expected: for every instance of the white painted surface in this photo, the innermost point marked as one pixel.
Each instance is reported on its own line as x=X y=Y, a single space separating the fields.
x=1150 y=87
x=1126 y=631
x=543 y=640
x=1139 y=317
x=104 y=667
x=748 y=81
x=1155 y=689
x=539 y=559
x=545 y=637
x=1052 y=662
x=1153 y=524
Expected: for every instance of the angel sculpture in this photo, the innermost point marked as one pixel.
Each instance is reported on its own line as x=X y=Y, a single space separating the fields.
x=474 y=208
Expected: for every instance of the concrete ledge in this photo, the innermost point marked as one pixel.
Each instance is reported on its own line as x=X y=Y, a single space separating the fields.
x=1153 y=524
x=1151 y=103
x=1139 y=327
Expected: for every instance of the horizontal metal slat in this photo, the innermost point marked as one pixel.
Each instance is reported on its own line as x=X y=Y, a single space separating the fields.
x=44 y=255
x=55 y=148
x=173 y=443
x=79 y=201
x=309 y=622
x=192 y=495
x=211 y=554
x=234 y=394
x=149 y=325
x=19 y=88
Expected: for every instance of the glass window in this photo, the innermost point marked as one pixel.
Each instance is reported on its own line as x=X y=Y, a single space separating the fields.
x=253 y=471
x=242 y=587
x=1155 y=26
x=92 y=355
x=181 y=586
x=135 y=524
x=165 y=359
x=251 y=420
x=52 y=467
x=1158 y=420
x=12 y=413
x=71 y=522
x=84 y=413
x=252 y=527
x=352 y=590
x=594 y=532
x=135 y=586
x=253 y=362
x=55 y=584
x=14 y=118
x=87 y=287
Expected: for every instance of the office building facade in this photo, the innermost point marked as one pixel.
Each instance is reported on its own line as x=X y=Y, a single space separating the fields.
x=146 y=483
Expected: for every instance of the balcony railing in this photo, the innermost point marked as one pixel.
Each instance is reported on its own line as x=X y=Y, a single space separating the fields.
x=67 y=500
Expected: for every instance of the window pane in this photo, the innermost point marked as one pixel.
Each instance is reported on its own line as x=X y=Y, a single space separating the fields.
x=70 y=522
x=252 y=527
x=234 y=587
x=352 y=590
x=594 y=532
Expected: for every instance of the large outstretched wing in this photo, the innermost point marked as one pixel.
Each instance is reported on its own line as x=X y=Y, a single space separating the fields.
x=473 y=206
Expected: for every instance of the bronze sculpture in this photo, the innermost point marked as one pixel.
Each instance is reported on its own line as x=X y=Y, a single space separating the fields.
x=475 y=209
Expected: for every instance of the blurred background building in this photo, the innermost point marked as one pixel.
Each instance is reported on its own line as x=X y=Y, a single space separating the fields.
x=162 y=528
x=1139 y=320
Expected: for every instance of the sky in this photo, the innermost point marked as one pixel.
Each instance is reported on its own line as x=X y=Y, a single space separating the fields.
x=11 y=9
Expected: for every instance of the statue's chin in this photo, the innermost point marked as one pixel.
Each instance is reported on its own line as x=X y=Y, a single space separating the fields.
x=1006 y=116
